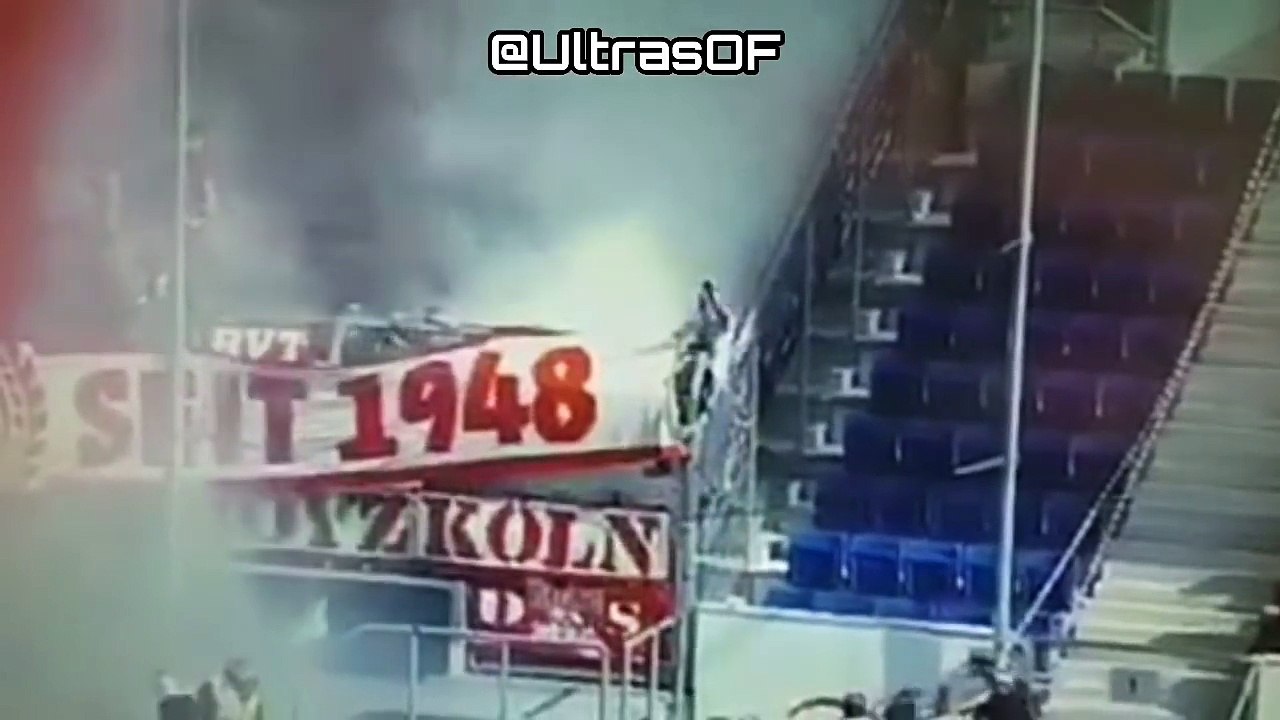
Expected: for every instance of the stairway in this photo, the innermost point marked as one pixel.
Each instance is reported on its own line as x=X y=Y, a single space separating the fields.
x=1183 y=584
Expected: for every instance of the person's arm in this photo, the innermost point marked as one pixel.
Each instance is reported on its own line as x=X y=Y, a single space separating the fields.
x=811 y=703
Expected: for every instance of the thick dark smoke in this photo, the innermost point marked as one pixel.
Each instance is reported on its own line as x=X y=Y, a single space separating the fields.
x=362 y=152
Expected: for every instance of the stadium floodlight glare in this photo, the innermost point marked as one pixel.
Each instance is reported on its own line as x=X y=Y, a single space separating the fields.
x=1004 y=628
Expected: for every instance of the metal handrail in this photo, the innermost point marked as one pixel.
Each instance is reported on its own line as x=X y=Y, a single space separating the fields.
x=1127 y=475
x=1247 y=690
x=504 y=642
x=652 y=635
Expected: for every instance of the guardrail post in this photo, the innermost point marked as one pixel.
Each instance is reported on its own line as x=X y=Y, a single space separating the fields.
x=415 y=671
x=504 y=678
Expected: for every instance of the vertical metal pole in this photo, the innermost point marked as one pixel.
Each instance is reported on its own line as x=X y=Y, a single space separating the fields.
x=687 y=589
x=624 y=699
x=1017 y=344
x=859 y=232
x=651 y=698
x=178 y=288
x=755 y=515
x=806 y=332
x=415 y=657
x=605 y=680
x=504 y=679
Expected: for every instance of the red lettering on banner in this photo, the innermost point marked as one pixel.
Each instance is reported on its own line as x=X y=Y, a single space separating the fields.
x=93 y=393
x=493 y=401
x=371 y=440
x=278 y=396
x=524 y=535
x=429 y=394
x=563 y=410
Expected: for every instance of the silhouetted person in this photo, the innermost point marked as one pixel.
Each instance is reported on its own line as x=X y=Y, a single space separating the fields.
x=230 y=695
x=172 y=703
x=852 y=705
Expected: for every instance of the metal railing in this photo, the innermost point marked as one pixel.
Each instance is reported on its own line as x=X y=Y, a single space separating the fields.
x=1111 y=505
x=1247 y=698
x=1150 y=42
x=653 y=636
x=504 y=642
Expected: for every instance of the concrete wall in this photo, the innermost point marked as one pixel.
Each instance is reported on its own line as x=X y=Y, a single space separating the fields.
x=1223 y=36
x=762 y=661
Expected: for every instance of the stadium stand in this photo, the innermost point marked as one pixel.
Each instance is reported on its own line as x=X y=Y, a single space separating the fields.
x=1134 y=206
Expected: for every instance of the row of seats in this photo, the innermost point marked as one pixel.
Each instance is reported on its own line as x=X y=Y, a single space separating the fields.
x=1190 y=229
x=1140 y=345
x=928 y=449
x=1069 y=281
x=923 y=570
x=1069 y=162
x=903 y=387
x=1150 y=103
x=964 y=510
x=846 y=602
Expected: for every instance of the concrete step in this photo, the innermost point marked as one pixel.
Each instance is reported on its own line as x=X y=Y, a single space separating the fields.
x=1236 y=390
x=1244 y=598
x=1185 y=584
x=1205 y=529
x=1090 y=680
x=1206 y=637
x=1138 y=611
x=1234 y=343
x=1201 y=445
x=1172 y=488
x=1248 y=315
x=1213 y=562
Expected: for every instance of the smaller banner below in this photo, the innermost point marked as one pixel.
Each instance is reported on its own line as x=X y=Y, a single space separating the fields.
x=594 y=576
x=505 y=407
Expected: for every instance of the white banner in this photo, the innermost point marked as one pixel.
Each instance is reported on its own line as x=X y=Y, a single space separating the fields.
x=507 y=406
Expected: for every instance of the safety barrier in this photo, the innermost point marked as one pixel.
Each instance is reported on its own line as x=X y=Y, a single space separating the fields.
x=1247 y=700
x=415 y=633
x=1109 y=509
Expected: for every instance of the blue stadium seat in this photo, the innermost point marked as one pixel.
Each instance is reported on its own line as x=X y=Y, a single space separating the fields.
x=1033 y=569
x=1094 y=458
x=791 y=598
x=816 y=560
x=1152 y=344
x=874 y=565
x=1201 y=228
x=1147 y=229
x=979 y=333
x=897 y=386
x=870 y=444
x=964 y=511
x=1094 y=342
x=932 y=569
x=962 y=612
x=901 y=609
x=1252 y=104
x=1046 y=338
x=842 y=602
x=979 y=564
x=1064 y=400
x=954 y=273
x=1062 y=282
x=1061 y=514
x=1200 y=103
x=1089 y=224
x=1127 y=401
x=1176 y=289
x=956 y=391
x=843 y=504
x=899 y=506
x=927 y=449
x=977 y=443
x=1045 y=457
x=924 y=331
x=1124 y=287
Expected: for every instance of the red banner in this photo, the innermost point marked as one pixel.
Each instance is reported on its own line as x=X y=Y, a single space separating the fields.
x=548 y=571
